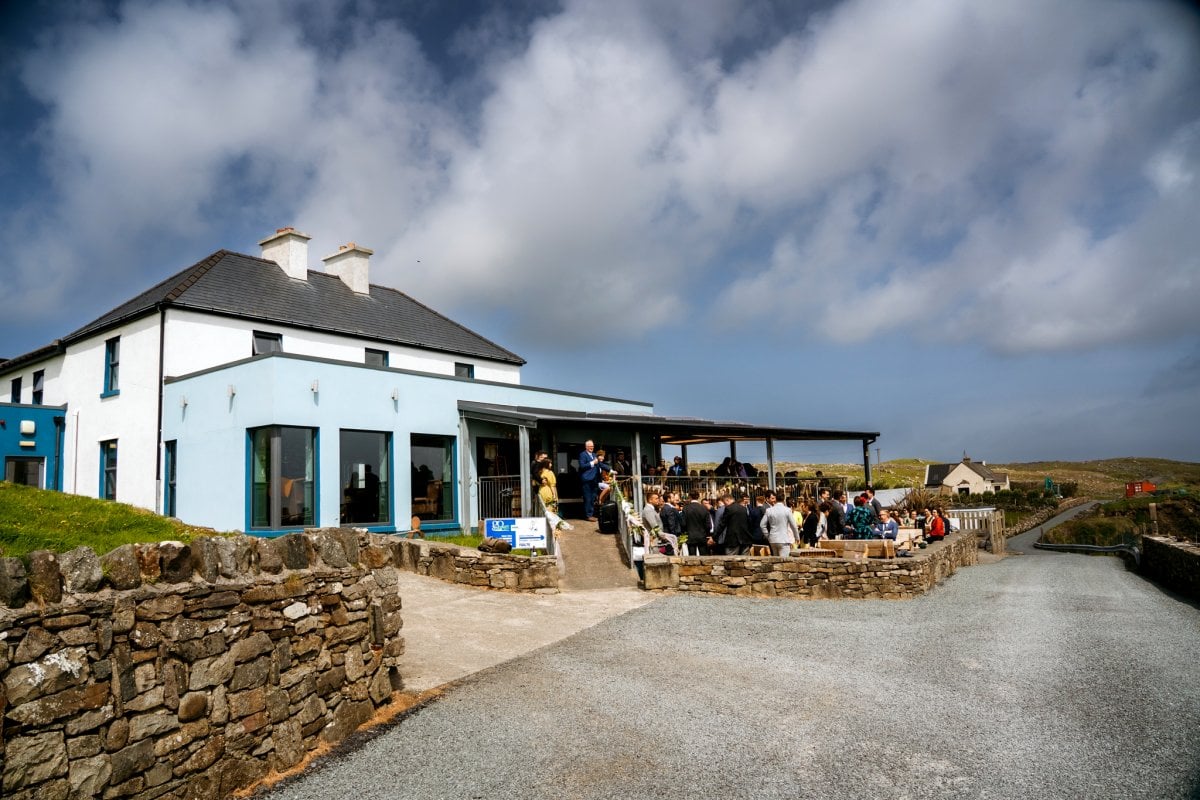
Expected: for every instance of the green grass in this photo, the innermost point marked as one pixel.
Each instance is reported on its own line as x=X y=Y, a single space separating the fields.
x=35 y=519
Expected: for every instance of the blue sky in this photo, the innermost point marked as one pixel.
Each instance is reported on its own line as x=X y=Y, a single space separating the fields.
x=970 y=226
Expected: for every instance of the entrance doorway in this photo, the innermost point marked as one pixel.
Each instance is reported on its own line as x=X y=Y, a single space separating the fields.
x=25 y=470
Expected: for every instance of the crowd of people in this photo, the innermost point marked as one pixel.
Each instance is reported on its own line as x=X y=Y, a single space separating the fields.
x=769 y=523
x=736 y=522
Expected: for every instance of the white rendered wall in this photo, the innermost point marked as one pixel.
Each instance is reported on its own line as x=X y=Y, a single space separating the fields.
x=199 y=341
x=51 y=386
x=130 y=417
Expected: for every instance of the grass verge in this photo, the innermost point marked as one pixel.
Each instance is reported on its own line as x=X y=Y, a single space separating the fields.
x=36 y=519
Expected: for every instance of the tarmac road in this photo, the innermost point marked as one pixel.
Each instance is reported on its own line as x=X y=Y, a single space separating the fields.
x=1045 y=675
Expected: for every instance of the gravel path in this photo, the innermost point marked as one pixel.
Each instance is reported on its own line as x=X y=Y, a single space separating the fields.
x=1040 y=676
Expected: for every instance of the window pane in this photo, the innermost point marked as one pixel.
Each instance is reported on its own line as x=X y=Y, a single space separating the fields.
x=169 y=505
x=282 y=482
x=462 y=370
x=108 y=470
x=39 y=380
x=433 y=477
x=260 y=480
x=15 y=391
x=376 y=358
x=267 y=342
x=364 y=477
x=112 y=362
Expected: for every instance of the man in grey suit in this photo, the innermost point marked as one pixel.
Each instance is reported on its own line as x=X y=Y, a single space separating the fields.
x=779 y=526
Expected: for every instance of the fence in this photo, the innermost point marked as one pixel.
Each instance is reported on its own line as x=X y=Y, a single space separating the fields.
x=499 y=496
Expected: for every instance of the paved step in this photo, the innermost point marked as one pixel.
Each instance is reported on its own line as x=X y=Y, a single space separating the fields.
x=592 y=559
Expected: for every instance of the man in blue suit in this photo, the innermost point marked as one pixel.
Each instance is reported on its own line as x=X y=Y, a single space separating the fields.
x=589 y=475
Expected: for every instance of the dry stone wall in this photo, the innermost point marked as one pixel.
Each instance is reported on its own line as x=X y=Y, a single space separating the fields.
x=189 y=671
x=1172 y=563
x=455 y=564
x=814 y=578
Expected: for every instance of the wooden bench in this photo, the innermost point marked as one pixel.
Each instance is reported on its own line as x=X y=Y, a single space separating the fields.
x=858 y=549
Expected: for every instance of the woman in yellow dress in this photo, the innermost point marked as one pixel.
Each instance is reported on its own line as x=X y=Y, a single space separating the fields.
x=548 y=485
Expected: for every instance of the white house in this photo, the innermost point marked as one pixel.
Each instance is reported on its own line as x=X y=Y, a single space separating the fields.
x=965 y=477
x=253 y=393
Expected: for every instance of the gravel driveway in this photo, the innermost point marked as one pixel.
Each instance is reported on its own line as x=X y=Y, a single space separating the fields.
x=1042 y=676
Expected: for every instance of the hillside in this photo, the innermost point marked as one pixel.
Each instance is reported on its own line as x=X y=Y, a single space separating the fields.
x=1104 y=478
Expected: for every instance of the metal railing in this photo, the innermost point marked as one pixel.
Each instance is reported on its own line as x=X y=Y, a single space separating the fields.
x=499 y=496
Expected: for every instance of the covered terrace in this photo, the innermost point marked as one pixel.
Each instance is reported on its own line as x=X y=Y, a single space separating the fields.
x=562 y=434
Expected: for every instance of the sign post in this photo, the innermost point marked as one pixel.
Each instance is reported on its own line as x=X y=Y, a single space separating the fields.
x=520 y=532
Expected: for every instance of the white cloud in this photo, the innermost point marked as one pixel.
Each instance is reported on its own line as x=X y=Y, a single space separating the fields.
x=1024 y=168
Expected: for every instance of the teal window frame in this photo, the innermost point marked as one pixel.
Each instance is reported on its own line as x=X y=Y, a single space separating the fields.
x=271 y=474
x=169 y=469
x=112 y=367
x=108 y=470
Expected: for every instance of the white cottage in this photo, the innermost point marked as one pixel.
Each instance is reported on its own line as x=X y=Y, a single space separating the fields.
x=966 y=477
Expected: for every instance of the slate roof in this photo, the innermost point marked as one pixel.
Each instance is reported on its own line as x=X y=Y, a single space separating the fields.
x=251 y=288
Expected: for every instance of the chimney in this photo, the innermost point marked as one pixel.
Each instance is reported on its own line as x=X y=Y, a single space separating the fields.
x=288 y=248
x=350 y=264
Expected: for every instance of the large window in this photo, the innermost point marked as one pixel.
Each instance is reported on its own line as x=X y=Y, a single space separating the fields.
x=283 y=486
x=108 y=470
x=112 y=366
x=267 y=343
x=39 y=384
x=27 y=471
x=366 y=494
x=433 y=477
x=15 y=391
x=169 y=492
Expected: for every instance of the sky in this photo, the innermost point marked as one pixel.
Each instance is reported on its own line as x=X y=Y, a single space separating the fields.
x=971 y=226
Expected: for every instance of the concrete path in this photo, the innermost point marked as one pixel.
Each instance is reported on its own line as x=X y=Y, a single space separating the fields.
x=592 y=559
x=452 y=631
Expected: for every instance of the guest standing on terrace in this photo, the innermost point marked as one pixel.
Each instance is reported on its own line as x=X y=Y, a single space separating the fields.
x=836 y=516
x=672 y=520
x=811 y=522
x=779 y=526
x=859 y=519
x=589 y=475
x=733 y=530
x=698 y=526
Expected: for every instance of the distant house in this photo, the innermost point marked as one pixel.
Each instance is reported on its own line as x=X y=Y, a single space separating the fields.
x=965 y=477
x=1139 y=487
